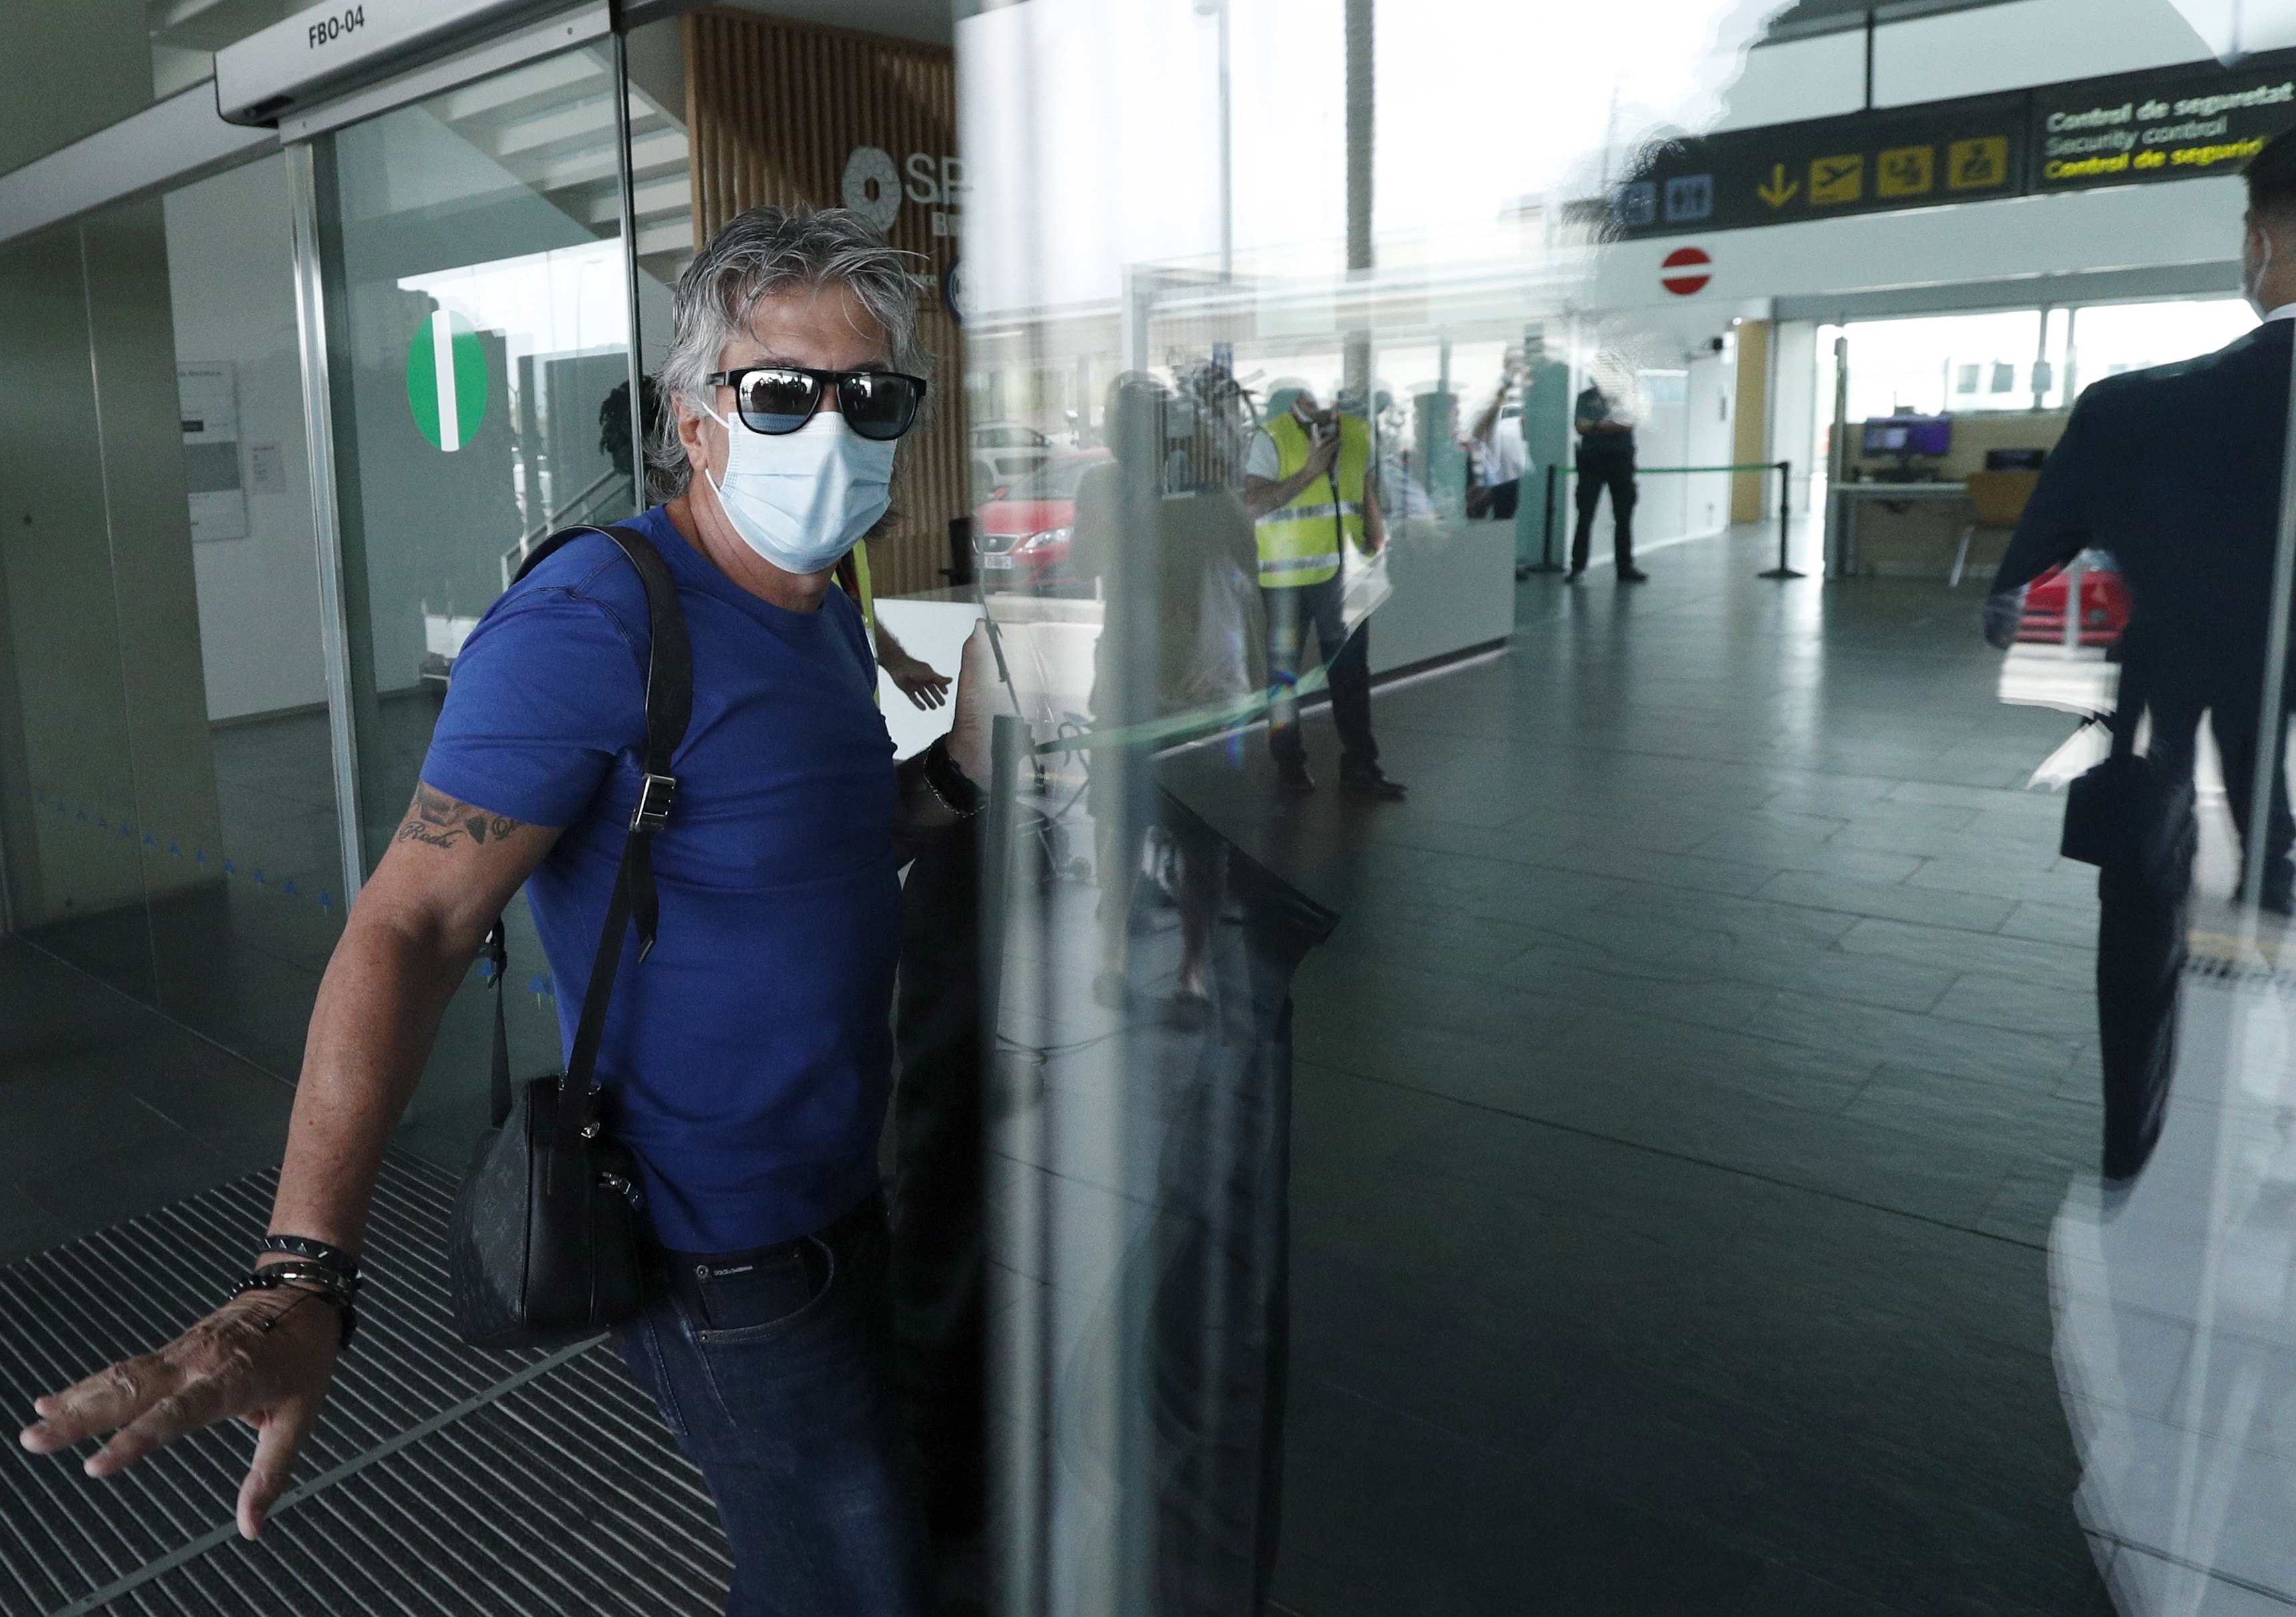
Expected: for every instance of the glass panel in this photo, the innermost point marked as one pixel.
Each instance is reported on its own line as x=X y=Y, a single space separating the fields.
x=478 y=321
x=1957 y=363
x=75 y=885
x=1678 y=1120
x=169 y=730
x=2110 y=339
x=241 y=962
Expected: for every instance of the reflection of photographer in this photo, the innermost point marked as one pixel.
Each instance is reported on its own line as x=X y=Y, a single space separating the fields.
x=1161 y=529
x=1307 y=483
x=1496 y=450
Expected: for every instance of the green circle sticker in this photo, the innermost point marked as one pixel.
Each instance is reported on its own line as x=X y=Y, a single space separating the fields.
x=447 y=379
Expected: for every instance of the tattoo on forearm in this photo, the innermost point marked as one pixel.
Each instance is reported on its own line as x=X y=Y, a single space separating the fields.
x=439 y=820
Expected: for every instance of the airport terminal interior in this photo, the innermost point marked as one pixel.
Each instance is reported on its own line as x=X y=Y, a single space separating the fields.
x=1633 y=1115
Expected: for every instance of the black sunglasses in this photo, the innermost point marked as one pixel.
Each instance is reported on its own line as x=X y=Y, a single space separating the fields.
x=880 y=405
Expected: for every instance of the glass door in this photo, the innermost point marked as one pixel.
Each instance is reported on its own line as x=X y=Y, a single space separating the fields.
x=166 y=808
x=478 y=324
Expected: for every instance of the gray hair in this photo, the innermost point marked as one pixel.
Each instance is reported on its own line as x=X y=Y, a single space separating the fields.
x=757 y=254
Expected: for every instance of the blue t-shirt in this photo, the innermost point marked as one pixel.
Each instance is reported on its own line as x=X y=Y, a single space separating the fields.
x=747 y=1060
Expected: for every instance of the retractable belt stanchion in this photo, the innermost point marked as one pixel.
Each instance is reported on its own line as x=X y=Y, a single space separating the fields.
x=1785 y=487
x=1785 y=469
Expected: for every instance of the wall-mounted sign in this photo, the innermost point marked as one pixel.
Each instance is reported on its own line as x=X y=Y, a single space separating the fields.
x=1868 y=162
x=872 y=186
x=1685 y=270
x=447 y=379
x=206 y=393
x=875 y=187
x=2175 y=123
x=324 y=49
x=2178 y=123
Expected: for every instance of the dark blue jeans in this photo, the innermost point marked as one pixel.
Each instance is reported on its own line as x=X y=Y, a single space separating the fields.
x=1292 y=615
x=772 y=1369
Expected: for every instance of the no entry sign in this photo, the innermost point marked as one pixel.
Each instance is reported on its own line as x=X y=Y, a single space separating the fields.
x=1685 y=270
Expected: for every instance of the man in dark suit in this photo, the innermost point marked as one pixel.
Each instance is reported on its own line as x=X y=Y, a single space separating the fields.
x=2176 y=471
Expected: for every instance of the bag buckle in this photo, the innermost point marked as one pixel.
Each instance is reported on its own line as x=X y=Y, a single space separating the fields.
x=654 y=795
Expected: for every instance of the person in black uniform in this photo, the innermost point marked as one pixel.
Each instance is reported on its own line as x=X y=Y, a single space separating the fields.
x=1606 y=460
x=2175 y=470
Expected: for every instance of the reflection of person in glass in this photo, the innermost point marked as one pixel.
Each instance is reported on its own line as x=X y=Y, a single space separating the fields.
x=1162 y=531
x=746 y=1059
x=1606 y=460
x=1496 y=455
x=2176 y=471
x=1309 y=487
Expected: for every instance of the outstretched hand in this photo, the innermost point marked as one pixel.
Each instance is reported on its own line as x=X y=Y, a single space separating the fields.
x=924 y=686
x=265 y=1358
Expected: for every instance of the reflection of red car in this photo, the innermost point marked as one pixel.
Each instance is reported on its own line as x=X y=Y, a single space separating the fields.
x=1020 y=535
x=2104 y=603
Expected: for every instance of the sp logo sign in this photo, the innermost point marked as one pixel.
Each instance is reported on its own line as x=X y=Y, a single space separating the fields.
x=872 y=186
x=875 y=186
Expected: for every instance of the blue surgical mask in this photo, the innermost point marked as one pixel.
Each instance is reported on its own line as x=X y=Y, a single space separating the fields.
x=802 y=499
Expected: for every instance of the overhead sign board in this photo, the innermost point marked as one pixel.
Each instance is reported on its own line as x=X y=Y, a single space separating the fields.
x=2173 y=123
x=1865 y=162
x=328 y=48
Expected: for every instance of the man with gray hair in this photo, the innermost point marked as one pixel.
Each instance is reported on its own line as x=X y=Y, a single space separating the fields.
x=746 y=1060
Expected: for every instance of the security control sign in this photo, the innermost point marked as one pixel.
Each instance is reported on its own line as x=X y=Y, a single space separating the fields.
x=2175 y=124
x=2171 y=123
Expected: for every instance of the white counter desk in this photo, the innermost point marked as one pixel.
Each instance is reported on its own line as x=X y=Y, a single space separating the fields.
x=1844 y=500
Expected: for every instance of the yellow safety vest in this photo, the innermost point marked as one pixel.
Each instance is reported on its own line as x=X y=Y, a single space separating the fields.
x=868 y=601
x=864 y=596
x=1300 y=543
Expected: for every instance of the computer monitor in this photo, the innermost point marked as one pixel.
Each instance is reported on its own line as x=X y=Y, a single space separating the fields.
x=1909 y=435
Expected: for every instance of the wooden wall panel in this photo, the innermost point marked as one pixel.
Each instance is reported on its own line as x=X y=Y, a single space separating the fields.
x=774 y=111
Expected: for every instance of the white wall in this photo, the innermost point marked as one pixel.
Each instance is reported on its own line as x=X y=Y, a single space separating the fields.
x=1969 y=52
x=1799 y=78
x=230 y=281
x=2008 y=48
x=2184 y=221
x=1794 y=406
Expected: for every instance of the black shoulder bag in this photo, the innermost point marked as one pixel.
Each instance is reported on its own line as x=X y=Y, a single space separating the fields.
x=2127 y=818
x=543 y=1249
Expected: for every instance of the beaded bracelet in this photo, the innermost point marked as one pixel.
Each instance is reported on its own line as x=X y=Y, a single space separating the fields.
x=312 y=1279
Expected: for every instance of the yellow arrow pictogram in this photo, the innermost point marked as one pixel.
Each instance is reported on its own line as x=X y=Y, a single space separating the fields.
x=1777 y=193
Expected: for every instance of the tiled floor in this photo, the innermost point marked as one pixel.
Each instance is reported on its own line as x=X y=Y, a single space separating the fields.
x=1682 y=1105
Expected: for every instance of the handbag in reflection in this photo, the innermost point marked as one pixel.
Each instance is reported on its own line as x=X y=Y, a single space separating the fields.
x=544 y=1246
x=2137 y=825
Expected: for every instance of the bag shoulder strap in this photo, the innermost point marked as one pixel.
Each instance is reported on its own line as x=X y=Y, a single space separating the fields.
x=669 y=710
